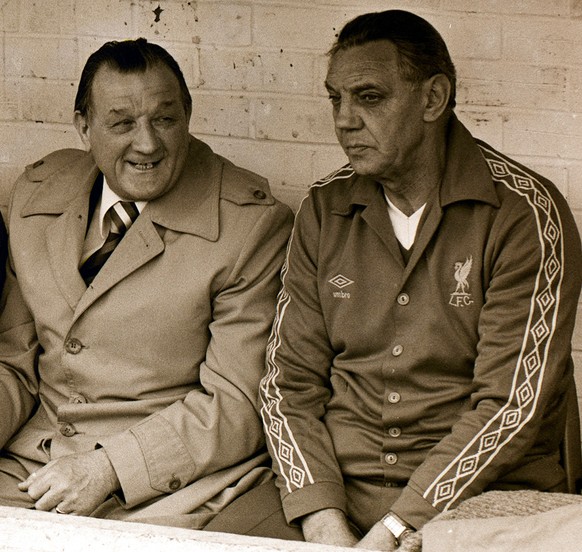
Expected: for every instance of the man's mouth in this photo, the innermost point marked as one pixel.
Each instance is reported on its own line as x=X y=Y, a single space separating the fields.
x=144 y=166
x=356 y=148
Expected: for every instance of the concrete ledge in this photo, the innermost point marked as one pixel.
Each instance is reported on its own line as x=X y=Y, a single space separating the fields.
x=33 y=531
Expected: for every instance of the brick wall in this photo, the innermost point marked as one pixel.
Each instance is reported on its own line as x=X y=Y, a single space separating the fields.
x=255 y=68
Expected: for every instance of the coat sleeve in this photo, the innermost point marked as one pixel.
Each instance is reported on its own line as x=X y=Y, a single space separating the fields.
x=296 y=388
x=522 y=369
x=217 y=424
x=18 y=349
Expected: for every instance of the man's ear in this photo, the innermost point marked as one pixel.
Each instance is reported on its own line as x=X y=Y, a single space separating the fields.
x=82 y=126
x=437 y=93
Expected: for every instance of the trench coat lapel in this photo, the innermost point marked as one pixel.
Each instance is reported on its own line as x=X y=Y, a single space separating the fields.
x=139 y=246
x=65 y=243
x=69 y=202
x=191 y=207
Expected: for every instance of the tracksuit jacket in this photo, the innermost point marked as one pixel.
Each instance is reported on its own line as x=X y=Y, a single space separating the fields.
x=445 y=374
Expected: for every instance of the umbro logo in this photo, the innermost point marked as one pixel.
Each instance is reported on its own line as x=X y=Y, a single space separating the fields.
x=340 y=281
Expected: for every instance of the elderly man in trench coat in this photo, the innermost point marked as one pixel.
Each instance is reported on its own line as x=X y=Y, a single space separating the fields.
x=128 y=390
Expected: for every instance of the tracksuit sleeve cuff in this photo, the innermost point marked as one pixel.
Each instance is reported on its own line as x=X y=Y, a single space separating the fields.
x=413 y=509
x=312 y=498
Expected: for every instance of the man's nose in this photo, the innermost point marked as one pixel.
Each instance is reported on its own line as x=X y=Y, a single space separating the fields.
x=345 y=116
x=145 y=139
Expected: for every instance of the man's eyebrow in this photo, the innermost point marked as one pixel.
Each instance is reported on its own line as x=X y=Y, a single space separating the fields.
x=360 y=87
x=114 y=111
x=124 y=110
x=169 y=103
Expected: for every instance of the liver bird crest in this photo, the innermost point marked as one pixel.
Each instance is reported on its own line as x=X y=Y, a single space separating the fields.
x=461 y=274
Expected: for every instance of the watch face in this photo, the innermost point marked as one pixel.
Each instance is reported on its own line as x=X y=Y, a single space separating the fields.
x=394 y=526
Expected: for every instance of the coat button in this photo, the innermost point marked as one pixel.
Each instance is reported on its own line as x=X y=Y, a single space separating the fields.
x=259 y=194
x=403 y=299
x=397 y=350
x=394 y=432
x=394 y=397
x=175 y=484
x=391 y=458
x=68 y=430
x=77 y=399
x=73 y=346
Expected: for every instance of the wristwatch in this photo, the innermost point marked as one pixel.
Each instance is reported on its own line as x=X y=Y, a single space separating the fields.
x=396 y=526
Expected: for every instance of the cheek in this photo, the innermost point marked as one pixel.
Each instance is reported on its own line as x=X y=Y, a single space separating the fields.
x=386 y=141
x=107 y=150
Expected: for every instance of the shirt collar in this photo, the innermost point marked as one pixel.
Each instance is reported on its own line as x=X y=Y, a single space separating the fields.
x=108 y=199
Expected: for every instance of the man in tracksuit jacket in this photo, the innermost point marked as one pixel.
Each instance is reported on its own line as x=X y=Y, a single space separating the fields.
x=422 y=343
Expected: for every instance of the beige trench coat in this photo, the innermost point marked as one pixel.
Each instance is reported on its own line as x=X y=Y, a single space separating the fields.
x=159 y=360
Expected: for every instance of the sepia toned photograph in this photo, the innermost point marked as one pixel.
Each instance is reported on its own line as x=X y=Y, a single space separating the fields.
x=290 y=275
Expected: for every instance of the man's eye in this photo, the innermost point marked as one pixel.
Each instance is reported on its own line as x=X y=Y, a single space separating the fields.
x=335 y=100
x=370 y=99
x=165 y=121
x=126 y=123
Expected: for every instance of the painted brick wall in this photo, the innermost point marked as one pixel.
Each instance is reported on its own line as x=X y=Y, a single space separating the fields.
x=256 y=67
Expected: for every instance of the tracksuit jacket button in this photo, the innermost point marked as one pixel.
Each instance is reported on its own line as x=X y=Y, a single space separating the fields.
x=394 y=397
x=394 y=432
x=403 y=299
x=391 y=458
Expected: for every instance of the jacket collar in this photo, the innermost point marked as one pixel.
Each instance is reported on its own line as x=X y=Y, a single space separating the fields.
x=466 y=177
x=191 y=206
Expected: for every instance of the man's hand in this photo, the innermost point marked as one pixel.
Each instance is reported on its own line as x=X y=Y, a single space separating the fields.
x=328 y=526
x=74 y=484
x=378 y=538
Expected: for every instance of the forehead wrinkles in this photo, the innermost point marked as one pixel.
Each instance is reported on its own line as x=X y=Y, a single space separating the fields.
x=362 y=63
x=359 y=73
x=147 y=101
x=129 y=92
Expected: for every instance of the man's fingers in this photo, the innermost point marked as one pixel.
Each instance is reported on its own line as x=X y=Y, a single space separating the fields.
x=38 y=487
x=49 y=501
x=23 y=485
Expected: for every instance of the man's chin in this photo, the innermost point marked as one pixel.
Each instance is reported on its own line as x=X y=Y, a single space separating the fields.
x=142 y=188
x=363 y=168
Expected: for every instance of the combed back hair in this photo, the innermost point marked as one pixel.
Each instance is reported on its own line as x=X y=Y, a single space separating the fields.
x=127 y=56
x=422 y=52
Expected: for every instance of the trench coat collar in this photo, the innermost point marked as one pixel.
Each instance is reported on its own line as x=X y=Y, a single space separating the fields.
x=191 y=206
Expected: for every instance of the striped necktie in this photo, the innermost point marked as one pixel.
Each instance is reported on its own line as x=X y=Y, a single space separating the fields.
x=121 y=216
